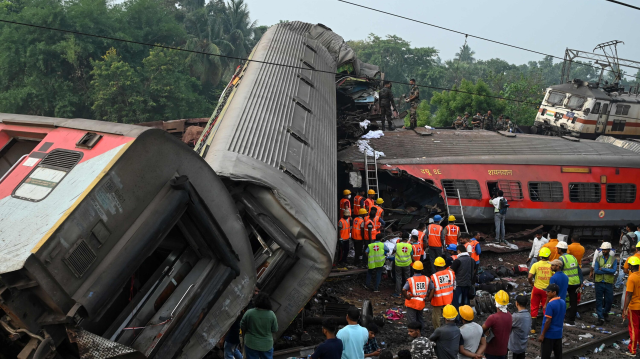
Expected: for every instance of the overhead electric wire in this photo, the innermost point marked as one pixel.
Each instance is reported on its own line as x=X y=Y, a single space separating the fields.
x=244 y=59
x=475 y=36
x=624 y=4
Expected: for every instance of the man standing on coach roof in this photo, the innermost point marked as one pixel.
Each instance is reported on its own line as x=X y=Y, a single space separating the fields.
x=413 y=100
x=386 y=101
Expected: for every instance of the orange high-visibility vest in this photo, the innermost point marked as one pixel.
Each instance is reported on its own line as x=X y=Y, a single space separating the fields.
x=421 y=238
x=443 y=283
x=344 y=205
x=357 y=228
x=368 y=222
x=379 y=211
x=345 y=231
x=451 y=237
x=368 y=204
x=473 y=253
x=417 y=251
x=435 y=231
x=418 y=288
x=454 y=257
x=356 y=204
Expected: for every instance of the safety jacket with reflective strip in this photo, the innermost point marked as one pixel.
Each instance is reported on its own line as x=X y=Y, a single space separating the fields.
x=344 y=204
x=357 y=229
x=417 y=251
x=376 y=255
x=608 y=278
x=379 y=211
x=345 y=228
x=473 y=253
x=418 y=288
x=369 y=224
x=571 y=268
x=443 y=283
x=451 y=236
x=421 y=235
x=368 y=204
x=403 y=254
x=435 y=233
x=454 y=257
x=356 y=204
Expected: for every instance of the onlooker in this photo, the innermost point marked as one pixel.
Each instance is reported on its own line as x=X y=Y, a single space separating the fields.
x=258 y=325
x=499 y=324
x=447 y=337
x=403 y=253
x=541 y=271
x=628 y=240
x=637 y=232
x=444 y=284
x=332 y=347
x=371 y=349
x=553 y=241
x=232 y=341
x=559 y=278
x=571 y=268
x=499 y=214
x=631 y=307
x=520 y=327
x=421 y=347
x=353 y=336
x=463 y=267
x=604 y=270
x=472 y=339
x=538 y=242
x=552 y=324
x=415 y=291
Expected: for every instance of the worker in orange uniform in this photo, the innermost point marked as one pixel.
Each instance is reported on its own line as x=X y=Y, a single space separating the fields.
x=358 y=232
x=345 y=202
x=415 y=292
x=416 y=245
x=358 y=201
x=422 y=232
x=541 y=271
x=380 y=215
x=344 y=234
x=444 y=282
x=434 y=239
x=553 y=241
x=631 y=307
x=369 y=202
x=577 y=250
x=371 y=229
x=451 y=232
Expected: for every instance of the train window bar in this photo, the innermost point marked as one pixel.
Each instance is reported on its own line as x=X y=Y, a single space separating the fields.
x=621 y=193
x=512 y=190
x=546 y=191
x=584 y=192
x=468 y=188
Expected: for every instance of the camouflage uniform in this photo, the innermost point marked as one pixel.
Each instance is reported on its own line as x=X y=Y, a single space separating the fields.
x=386 y=100
x=500 y=124
x=422 y=348
x=413 y=116
x=488 y=123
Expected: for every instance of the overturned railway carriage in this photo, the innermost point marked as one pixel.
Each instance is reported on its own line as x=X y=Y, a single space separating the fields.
x=547 y=180
x=114 y=239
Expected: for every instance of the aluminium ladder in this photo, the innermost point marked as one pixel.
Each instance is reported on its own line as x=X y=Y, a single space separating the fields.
x=371 y=173
x=458 y=215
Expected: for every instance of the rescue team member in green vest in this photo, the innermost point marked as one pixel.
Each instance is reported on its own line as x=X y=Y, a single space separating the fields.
x=403 y=253
x=571 y=268
x=377 y=254
x=604 y=270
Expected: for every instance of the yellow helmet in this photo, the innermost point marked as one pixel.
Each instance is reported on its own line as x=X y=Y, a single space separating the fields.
x=452 y=218
x=449 y=312
x=633 y=261
x=371 y=191
x=346 y=192
x=544 y=252
x=379 y=201
x=439 y=262
x=362 y=211
x=502 y=297
x=417 y=265
x=466 y=312
x=638 y=245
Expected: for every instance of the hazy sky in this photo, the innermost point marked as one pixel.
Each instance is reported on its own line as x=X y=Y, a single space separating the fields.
x=548 y=26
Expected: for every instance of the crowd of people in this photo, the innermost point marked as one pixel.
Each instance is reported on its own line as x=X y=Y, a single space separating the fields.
x=486 y=121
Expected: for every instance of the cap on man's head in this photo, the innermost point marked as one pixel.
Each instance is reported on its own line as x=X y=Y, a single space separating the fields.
x=556 y=262
x=552 y=288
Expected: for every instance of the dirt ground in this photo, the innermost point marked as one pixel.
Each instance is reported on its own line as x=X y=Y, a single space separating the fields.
x=350 y=289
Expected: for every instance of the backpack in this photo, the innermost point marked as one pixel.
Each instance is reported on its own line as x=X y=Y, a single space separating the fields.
x=502 y=207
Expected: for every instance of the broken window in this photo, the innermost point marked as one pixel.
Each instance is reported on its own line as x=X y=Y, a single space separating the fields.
x=556 y=98
x=545 y=191
x=512 y=190
x=621 y=193
x=584 y=192
x=468 y=188
x=575 y=102
x=618 y=125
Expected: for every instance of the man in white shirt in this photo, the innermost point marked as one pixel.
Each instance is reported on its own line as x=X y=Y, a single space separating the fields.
x=498 y=217
x=538 y=242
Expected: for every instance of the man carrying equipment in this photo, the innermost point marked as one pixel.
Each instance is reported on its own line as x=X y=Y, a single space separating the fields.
x=415 y=292
x=444 y=283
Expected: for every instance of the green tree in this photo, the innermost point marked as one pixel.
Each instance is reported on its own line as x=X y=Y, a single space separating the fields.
x=474 y=98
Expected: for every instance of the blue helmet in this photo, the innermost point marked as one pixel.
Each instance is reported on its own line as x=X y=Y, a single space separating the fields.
x=437 y=218
x=452 y=247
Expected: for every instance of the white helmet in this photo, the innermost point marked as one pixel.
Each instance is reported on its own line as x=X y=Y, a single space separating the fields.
x=562 y=245
x=415 y=232
x=605 y=245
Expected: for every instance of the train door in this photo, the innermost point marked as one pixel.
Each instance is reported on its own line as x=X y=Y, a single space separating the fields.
x=601 y=124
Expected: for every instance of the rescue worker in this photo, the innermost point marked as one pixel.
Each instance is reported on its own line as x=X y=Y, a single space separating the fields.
x=604 y=270
x=500 y=123
x=358 y=230
x=571 y=268
x=508 y=125
x=451 y=232
x=358 y=201
x=473 y=247
x=369 y=202
x=447 y=337
x=458 y=123
x=631 y=306
x=452 y=254
x=403 y=253
x=376 y=254
x=345 y=202
x=416 y=247
x=414 y=101
x=344 y=234
x=488 y=122
x=625 y=268
x=371 y=229
x=444 y=283
x=463 y=267
x=386 y=101
x=541 y=271
x=380 y=214
x=422 y=231
x=553 y=242
x=434 y=238
x=415 y=292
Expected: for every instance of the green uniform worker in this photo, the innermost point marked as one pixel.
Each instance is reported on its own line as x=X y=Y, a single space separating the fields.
x=413 y=100
x=403 y=253
x=572 y=269
x=377 y=253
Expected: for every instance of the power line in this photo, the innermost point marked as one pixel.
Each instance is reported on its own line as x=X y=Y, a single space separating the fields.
x=624 y=4
x=243 y=59
x=474 y=36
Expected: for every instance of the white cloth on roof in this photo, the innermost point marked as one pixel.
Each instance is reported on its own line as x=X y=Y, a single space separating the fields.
x=372 y=134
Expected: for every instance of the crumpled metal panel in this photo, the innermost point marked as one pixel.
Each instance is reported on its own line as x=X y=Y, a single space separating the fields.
x=631 y=145
x=91 y=346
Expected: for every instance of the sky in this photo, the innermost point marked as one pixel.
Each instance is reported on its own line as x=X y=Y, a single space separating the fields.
x=548 y=26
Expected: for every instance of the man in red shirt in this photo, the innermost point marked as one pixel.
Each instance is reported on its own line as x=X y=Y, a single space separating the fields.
x=498 y=325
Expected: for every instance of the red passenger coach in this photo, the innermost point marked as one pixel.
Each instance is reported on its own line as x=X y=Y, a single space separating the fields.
x=547 y=180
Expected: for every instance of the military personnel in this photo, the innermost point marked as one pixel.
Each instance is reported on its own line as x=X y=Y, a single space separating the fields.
x=386 y=101
x=488 y=121
x=413 y=100
x=477 y=120
x=467 y=120
x=499 y=126
x=508 y=125
x=458 y=123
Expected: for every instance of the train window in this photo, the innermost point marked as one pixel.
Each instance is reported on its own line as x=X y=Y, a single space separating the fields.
x=545 y=191
x=596 y=108
x=556 y=98
x=512 y=190
x=468 y=188
x=618 y=125
x=584 y=192
x=575 y=102
x=605 y=108
x=621 y=193
x=622 y=109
